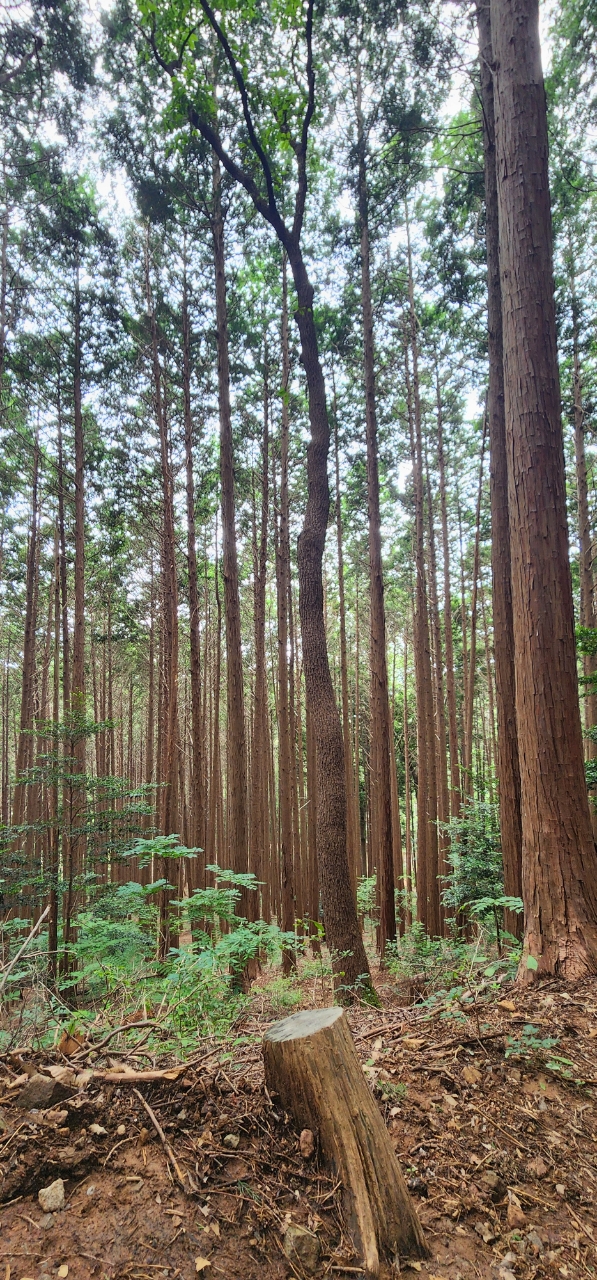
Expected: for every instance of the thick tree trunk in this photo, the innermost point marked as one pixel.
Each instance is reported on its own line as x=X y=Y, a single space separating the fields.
x=312 y=1065
x=381 y=787
x=339 y=908
x=508 y=768
x=559 y=861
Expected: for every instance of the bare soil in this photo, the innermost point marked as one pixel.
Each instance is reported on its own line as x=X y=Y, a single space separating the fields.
x=500 y=1154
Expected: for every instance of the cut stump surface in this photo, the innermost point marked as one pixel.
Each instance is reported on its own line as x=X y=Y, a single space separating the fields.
x=311 y=1063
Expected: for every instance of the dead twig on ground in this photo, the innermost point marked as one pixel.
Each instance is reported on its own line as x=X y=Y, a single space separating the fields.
x=163 y=1139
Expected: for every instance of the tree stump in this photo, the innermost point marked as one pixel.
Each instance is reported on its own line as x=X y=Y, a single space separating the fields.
x=311 y=1063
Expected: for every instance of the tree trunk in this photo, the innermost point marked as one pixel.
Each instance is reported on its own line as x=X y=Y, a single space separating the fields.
x=312 y=1065
x=259 y=767
x=24 y=756
x=381 y=788
x=559 y=861
x=339 y=908
x=75 y=843
x=472 y=663
x=448 y=628
x=352 y=842
x=236 y=756
x=168 y=757
x=508 y=768
x=408 y=880
x=443 y=799
x=427 y=842
x=283 y=584
x=197 y=799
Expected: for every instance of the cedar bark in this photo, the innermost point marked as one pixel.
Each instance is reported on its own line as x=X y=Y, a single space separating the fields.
x=381 y=787
x=559 y=861
x=508 y=767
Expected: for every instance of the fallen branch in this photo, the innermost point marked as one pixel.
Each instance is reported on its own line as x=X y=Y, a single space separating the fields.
x=134 y=1077
x=582 y=1225
x=28 y=939
x=82 y=1053
x=163 y=1139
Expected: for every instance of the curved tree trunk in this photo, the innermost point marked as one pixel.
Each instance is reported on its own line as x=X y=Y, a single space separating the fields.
x=339 y=908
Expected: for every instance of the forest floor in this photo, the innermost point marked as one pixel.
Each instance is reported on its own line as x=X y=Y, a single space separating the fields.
x=500 y=1153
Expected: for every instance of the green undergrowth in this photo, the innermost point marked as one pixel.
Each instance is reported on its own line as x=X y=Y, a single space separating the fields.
x=112 y=975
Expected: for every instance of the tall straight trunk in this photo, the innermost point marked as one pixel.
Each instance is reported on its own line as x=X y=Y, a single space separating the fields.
x=339 y=907
x=150 y=737
x=214 y=826
x=66 y=659
x=352 y=841
x=361 y=847
x=236 y=755
x=464 y=632
x=53 y=827
x=168 y=760
x=492 y=756
x=428 y=905
x=197 y=799
x=448 y=627
x=283 y=586
x=75 y=843
x=396 y=830
x=508 y=767
x=24 y=755
x=296 y=769
x=559 y=860
x=259 y=764
x=408 y=880
x=443 y=800
x=472 y=663
x=381 y=758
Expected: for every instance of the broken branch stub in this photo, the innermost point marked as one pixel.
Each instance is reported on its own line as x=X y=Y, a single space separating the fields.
x=312 y=1064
